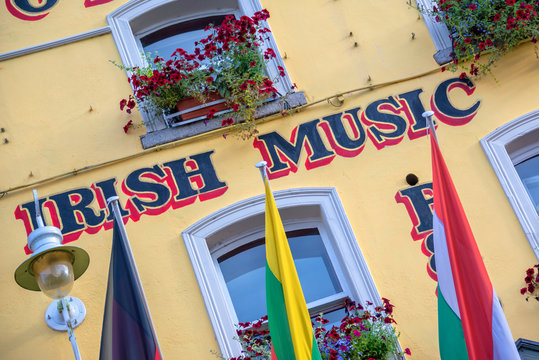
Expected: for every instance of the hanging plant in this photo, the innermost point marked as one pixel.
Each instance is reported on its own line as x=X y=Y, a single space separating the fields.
x=531 y=290
x=365 y=333
x=227 y=63
x=486 y=29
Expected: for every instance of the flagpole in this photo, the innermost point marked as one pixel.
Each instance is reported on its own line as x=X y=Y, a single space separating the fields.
x=113 y=201
x=428 y=116
x=261 y=165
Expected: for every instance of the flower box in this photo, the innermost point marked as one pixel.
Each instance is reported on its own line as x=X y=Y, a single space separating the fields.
x=191 y=108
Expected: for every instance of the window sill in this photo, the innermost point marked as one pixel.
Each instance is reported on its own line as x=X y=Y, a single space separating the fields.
x=188 y=129
x=443 y=56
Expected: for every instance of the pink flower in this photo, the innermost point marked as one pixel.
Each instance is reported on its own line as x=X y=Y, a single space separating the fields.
x=357 y=333
x=407 y=351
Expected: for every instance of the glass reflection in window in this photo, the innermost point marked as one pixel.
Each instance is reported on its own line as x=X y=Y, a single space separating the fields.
x=528 y=170
x=183 y=35
x=243 y=270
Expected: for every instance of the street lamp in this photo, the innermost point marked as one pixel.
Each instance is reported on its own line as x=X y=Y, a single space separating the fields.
x=53 y=268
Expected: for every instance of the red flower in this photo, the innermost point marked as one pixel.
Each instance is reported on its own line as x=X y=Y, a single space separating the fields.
x=443 y=68
x=468 y=40
x=481 y=46
x=523 y=290
x=235 y=107
x=472 y=7
x=269 y=53
x=281 y=71
x=122 y=104
x=211 y=113
x=128 y=125
x=252 y=63
x=462 y=76
x=530 y=271
x=510 y=2
x=528 y=279
x=531 y=288
x=489 y=42
x=497 y=17
x=209 y=79
x=407 y=351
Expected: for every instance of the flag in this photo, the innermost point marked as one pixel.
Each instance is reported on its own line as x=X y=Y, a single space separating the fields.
x=471 y=323
x=289 y=322
x=127 y=328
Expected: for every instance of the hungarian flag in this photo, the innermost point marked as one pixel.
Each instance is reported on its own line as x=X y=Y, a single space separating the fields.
x=471 y=323
x=289 y=322
x=127 y=327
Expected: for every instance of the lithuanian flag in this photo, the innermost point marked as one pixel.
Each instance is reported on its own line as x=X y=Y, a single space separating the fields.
x=471 y=323
x=289 y=322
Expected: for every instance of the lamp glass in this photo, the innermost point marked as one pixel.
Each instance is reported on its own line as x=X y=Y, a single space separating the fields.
x=54 y=273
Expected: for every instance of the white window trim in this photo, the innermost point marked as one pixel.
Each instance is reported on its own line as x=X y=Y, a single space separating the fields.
x=333 y=218
x=503 y=163
x=129 y=46
x=438 y=32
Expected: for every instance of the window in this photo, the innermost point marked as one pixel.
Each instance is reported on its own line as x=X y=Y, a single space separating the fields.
x=158 y=25
x=181 y=35
x=528 y=171
x=243 y=267
x=227 y=253
x=513 y=151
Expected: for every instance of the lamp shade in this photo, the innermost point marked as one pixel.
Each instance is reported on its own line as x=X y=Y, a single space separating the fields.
x=44 y=240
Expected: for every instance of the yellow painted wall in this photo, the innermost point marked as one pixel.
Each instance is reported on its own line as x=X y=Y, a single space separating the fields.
x=60 y=112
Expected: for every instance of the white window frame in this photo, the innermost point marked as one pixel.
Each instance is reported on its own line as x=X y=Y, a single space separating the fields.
x=244 y=219
x=128 y=44
x=438 y=31
x=505 y=147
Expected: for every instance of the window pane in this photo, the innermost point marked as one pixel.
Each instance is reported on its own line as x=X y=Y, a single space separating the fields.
x=182 y=35
x=244 y=273
x=528 y=171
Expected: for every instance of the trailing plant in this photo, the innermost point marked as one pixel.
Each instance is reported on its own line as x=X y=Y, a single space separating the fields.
x=363 y=334
x=486 y=27
x=531 y=290
x=228 y=61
